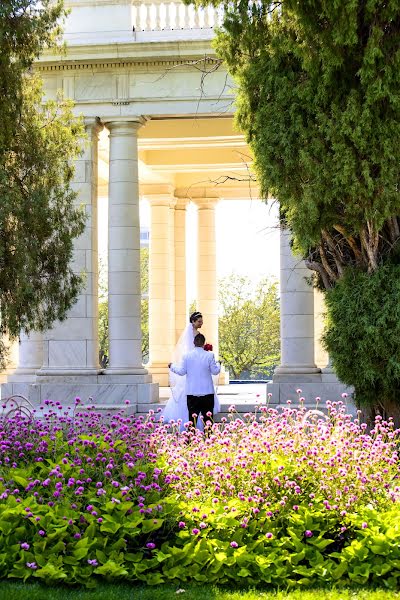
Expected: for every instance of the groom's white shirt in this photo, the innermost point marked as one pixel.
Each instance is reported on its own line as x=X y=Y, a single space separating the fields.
x=198 y=365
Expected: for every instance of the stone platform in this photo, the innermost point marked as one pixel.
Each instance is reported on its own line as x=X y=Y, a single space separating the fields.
x=246 y=396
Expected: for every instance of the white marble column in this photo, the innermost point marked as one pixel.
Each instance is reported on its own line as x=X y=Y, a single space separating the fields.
x=30 y=354
x=124 y=251
x=181 y=313
x=161 y=286
x=71 y=346
x=298 y=339
x=297 y=319
x=207 y=300
x=321 y=355
x=17 y=349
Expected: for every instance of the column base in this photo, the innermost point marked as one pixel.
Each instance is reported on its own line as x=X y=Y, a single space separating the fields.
x=289 y=373
x=141 y=371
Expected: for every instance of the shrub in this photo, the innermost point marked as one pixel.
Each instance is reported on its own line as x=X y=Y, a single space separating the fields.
x=363 y=311
x=290 y=499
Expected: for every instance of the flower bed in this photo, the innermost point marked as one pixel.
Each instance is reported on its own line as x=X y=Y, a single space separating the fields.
x=290 y=499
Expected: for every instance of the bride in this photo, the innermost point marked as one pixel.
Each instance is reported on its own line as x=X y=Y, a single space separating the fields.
x=176 y=407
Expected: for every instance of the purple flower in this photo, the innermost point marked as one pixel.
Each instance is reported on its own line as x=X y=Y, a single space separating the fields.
x=181 y=524
x=234 y=544
x=93 y=562
x=25 y=546
x=150 y=545
x=41 y=532
x=364 y=525
x=195 y=531
x=31 y=565
x=308 y=533
x=269 y=535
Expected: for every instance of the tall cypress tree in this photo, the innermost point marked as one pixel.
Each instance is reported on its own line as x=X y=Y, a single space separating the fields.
x=318 y=97
x=39 y=219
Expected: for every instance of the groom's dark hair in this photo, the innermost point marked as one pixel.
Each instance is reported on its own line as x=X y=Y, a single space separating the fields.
x=199 y=340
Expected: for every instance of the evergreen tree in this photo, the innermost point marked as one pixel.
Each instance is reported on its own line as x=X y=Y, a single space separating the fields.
x=39 y=218
x=319 y=101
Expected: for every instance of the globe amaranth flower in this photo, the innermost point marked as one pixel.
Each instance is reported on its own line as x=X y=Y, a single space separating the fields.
x=150 y=545
x=234 y=544
x=308 y=533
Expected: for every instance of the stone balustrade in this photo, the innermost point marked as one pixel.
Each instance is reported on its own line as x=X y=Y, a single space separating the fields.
x=151 y=15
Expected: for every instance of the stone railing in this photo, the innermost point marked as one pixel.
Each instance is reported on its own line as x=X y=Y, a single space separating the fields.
x=151 y=15
x=92 y=22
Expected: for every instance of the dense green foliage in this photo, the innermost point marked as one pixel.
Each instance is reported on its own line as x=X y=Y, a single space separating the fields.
x=248 y=327
x=319 y=101
x=318 y=97
x=144 y=307
x=363 y=314
x=38 y=216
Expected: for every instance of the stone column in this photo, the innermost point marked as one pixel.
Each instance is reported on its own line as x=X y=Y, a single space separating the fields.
x=71 y=347
x=30 y=354
x=181 y=313
x=161 y=286
x=24 y=358
x=207 y=301
x=297 y=368
x=321 y=355
x=297 y=318
x=124 y=251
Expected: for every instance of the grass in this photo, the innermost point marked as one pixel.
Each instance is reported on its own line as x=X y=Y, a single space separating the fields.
x=36 y=591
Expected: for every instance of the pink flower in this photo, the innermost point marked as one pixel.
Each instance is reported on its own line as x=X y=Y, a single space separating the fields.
x=308 y=533
x=234 y=544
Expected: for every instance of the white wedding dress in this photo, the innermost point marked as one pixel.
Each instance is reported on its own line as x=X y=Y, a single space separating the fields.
x=176 y=407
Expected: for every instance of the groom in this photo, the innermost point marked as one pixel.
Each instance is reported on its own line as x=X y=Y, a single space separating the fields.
x=198 y=366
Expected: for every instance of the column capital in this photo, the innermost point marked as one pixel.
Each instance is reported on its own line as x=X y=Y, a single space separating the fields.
x=205 y=203
x=161 y=200
x=93 y=125
x=124 y=126
x=181 y=203
x=147 y=190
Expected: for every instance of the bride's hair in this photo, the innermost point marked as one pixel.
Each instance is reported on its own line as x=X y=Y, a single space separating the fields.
x=194 y=316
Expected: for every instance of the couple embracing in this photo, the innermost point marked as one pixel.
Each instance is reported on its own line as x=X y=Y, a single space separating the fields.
x=191 y=378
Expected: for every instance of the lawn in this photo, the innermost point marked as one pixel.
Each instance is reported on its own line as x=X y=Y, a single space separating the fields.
x=19 y=591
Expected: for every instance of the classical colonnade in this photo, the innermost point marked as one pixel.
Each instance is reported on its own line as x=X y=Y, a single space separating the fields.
x=65 y=360
x=68 y=354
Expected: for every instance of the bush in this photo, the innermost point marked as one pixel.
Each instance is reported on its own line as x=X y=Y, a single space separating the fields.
x=363 y=313
x=293 y=499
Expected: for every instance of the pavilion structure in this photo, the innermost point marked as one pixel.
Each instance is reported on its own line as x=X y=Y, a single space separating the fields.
x=158 y=110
